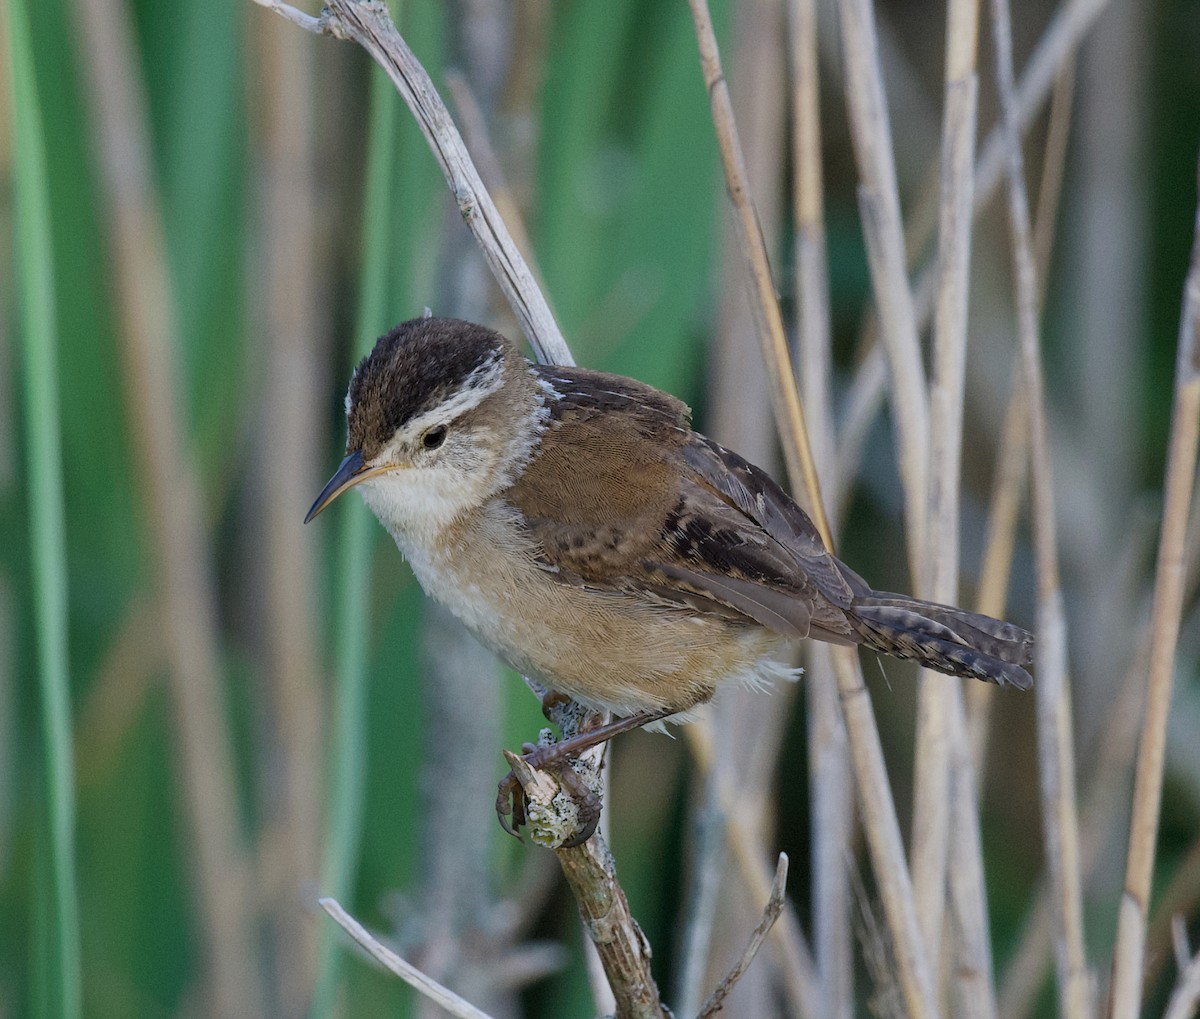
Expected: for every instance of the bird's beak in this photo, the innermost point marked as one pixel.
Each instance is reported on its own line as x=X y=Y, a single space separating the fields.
x=351 y=471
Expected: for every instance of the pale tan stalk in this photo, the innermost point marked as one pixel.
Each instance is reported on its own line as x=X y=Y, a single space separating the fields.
x=1055 y=750
x=830 y=786
x=879 y=811
x=1129 y=954
x=407 y=972
x=1054 y=51
x=738 y=417
x=290 y=452
x=937 y=717
x=883 y=232
x=174 y=506
x=1012 y=464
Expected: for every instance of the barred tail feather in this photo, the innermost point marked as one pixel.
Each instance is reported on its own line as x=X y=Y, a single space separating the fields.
x=944 y=638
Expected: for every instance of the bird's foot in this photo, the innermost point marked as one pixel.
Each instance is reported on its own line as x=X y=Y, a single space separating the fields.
x=545 y=791
x=544 y=780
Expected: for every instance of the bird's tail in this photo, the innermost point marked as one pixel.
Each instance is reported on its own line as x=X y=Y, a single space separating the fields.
x=944 y=638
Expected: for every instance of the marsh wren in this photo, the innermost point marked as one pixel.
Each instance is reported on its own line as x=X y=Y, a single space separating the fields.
x=585 y=534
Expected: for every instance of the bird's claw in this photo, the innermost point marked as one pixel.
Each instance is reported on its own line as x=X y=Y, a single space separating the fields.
x=512 y=802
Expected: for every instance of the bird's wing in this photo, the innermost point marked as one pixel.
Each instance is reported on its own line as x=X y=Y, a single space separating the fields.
x=622 y=496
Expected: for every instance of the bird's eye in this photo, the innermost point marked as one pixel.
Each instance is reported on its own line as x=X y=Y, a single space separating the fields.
x=434 y=437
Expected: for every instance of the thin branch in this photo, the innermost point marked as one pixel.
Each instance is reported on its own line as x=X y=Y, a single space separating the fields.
x=591 y=873
x=1055 y=750
x=368 y=23
x=1129 y=955
x=716 y=1000
x=801 y=982
x=407 y=972
x=764 y=301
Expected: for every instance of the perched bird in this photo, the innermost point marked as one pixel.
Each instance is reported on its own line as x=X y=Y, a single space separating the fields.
x=585 y=534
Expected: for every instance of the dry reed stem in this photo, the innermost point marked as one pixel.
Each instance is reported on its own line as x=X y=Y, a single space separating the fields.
x=1129 y=954
x=1055 y=751
x=1010 y=474
x=882 y=826
x=764 y=301
x=937 y=717
x=171 y=490
x=407 y=972
x=368 y=23
x=289 y=432
x=883 y=232
x=830 y=788
x=774 y=906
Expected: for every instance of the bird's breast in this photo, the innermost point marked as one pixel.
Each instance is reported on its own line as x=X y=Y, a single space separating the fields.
x=608 y=649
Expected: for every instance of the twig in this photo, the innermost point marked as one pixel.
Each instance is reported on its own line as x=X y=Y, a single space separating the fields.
x=1129 y=954
x=879 y=811
x=368 y=23
x=1055 y=751
x=591 y=873
x=407 y=972
x=716 y=1000
x=800 y=977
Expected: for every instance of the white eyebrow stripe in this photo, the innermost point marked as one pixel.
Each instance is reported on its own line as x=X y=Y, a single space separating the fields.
x=475 y=388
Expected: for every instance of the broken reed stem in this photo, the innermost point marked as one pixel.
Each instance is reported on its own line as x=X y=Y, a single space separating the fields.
x=937 y=719
x=883 y=232
x=1055 y=749
x=406 y=971
x=1129 y=954
x=879 y=812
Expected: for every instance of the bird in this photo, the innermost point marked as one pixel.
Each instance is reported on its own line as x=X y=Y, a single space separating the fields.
x=584 y=532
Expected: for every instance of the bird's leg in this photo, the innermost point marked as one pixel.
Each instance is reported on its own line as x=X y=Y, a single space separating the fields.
x=556 y=758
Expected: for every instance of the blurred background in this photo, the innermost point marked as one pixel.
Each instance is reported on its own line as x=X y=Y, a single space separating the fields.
x=260 y=713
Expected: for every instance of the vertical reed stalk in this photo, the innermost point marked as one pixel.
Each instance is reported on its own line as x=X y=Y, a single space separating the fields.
x=346 y=771
x=1055 y=748
x=937 y=717
x=62 y=994
x=1129 y=954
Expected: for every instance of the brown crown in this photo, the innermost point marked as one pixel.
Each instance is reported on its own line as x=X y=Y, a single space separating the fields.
x=411 y=370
